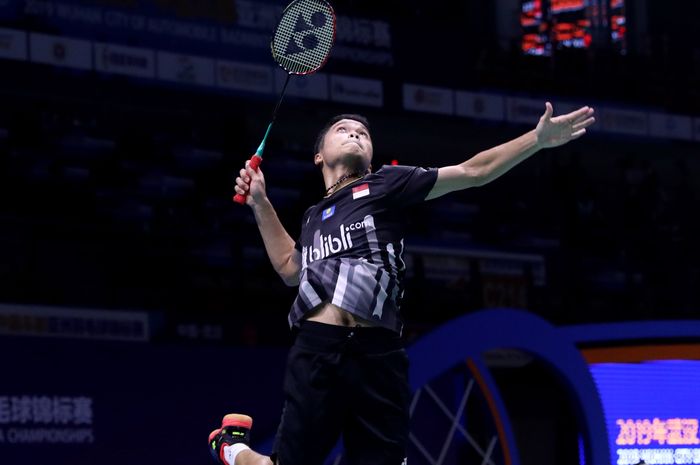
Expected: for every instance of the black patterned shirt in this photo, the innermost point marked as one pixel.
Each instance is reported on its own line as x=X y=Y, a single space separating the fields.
x=352 y=245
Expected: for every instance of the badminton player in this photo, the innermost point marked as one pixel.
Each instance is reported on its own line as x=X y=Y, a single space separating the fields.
x=347 y=370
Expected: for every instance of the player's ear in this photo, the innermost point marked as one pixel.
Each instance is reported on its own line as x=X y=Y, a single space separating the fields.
x=318 y=159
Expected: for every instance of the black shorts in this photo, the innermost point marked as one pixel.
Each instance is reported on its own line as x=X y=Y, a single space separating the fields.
x=349 y=382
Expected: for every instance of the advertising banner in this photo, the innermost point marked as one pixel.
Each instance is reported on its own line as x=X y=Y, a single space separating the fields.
x=239 y=30
x=13 y=44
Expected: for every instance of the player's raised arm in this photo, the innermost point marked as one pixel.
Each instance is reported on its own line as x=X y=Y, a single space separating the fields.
x=285 y=259
x=488 y=165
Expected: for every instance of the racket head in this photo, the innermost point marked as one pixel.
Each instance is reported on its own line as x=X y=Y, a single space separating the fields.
x=304 y=36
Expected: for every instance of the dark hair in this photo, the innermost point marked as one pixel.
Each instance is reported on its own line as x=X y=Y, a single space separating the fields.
x=332 y=121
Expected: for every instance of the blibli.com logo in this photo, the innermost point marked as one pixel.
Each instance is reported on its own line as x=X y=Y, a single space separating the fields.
x=331 y=244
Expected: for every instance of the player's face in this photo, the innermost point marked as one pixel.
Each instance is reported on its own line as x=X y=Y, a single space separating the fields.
x=347 y=138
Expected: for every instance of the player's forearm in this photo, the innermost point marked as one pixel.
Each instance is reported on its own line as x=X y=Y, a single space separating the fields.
x=494 y=162
x=278 y=243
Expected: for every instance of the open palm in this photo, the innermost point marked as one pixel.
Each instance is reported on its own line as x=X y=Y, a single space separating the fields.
x=558 y=130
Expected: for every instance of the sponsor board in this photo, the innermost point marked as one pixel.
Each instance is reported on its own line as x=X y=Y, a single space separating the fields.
x=13 y=44
x=347 y=89
x=428 y=99
x=129 y=61
x=60 y=51
x=242 y=76
x=670 y=126
x=21 y=320
x=480 y=105
x=313 y=86
x=186 y=69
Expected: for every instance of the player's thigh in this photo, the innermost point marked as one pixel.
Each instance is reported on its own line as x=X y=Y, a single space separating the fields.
x=377 y=431
x=312 y=416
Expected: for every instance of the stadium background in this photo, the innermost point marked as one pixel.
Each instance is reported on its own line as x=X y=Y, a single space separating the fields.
x=116 y=171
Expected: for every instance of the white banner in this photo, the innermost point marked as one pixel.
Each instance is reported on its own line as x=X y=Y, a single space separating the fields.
x=629 y=122
x=186 y=69
x=244 y=76
x=13 y=44
x=696 y=129
x=130 y=61
x=24 y=320
x=60 y=51
x=348 y=89
x=480 y=106
x=524 y=110
x=428 y=99
x=242 y=25
x=562 y=107
x=671 y=126
x=314 y=86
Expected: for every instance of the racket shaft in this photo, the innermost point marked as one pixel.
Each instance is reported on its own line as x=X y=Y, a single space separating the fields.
x=255 y=161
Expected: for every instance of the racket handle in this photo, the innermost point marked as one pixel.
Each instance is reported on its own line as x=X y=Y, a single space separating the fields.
x=255 y=161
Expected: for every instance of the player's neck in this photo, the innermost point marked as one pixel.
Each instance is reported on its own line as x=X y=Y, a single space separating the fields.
x=343 y=181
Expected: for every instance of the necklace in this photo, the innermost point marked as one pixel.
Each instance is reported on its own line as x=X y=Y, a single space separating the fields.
x=344 y=177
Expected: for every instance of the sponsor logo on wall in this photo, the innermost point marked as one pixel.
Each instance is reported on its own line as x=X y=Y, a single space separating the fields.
x=428 y=99
x=314 y=86
x=187 y=69
x=129 y=61
x=349 y=89
x=244 y=76
x=13 y=44
x=60 y=51
x=19 y=320
x=480 y=105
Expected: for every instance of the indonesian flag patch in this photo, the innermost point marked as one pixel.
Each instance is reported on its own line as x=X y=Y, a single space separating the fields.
x=360 y=191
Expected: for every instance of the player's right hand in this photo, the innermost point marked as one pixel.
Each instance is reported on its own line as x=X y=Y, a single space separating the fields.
x=251 y=183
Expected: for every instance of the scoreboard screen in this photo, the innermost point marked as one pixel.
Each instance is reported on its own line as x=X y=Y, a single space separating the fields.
x=652 y=410
x=549 y=25
x=618 y=25
x=535 y=39
x=571 y=27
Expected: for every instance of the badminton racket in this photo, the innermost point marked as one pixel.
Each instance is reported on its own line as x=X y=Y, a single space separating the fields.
x=300 y=44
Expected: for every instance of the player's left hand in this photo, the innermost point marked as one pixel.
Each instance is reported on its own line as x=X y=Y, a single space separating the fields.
x=552 y=132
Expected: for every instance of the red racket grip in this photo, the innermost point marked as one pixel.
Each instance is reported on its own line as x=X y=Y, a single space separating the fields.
x=255 y=161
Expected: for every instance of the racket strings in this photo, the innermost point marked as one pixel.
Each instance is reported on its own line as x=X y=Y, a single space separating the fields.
x=304 y=36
